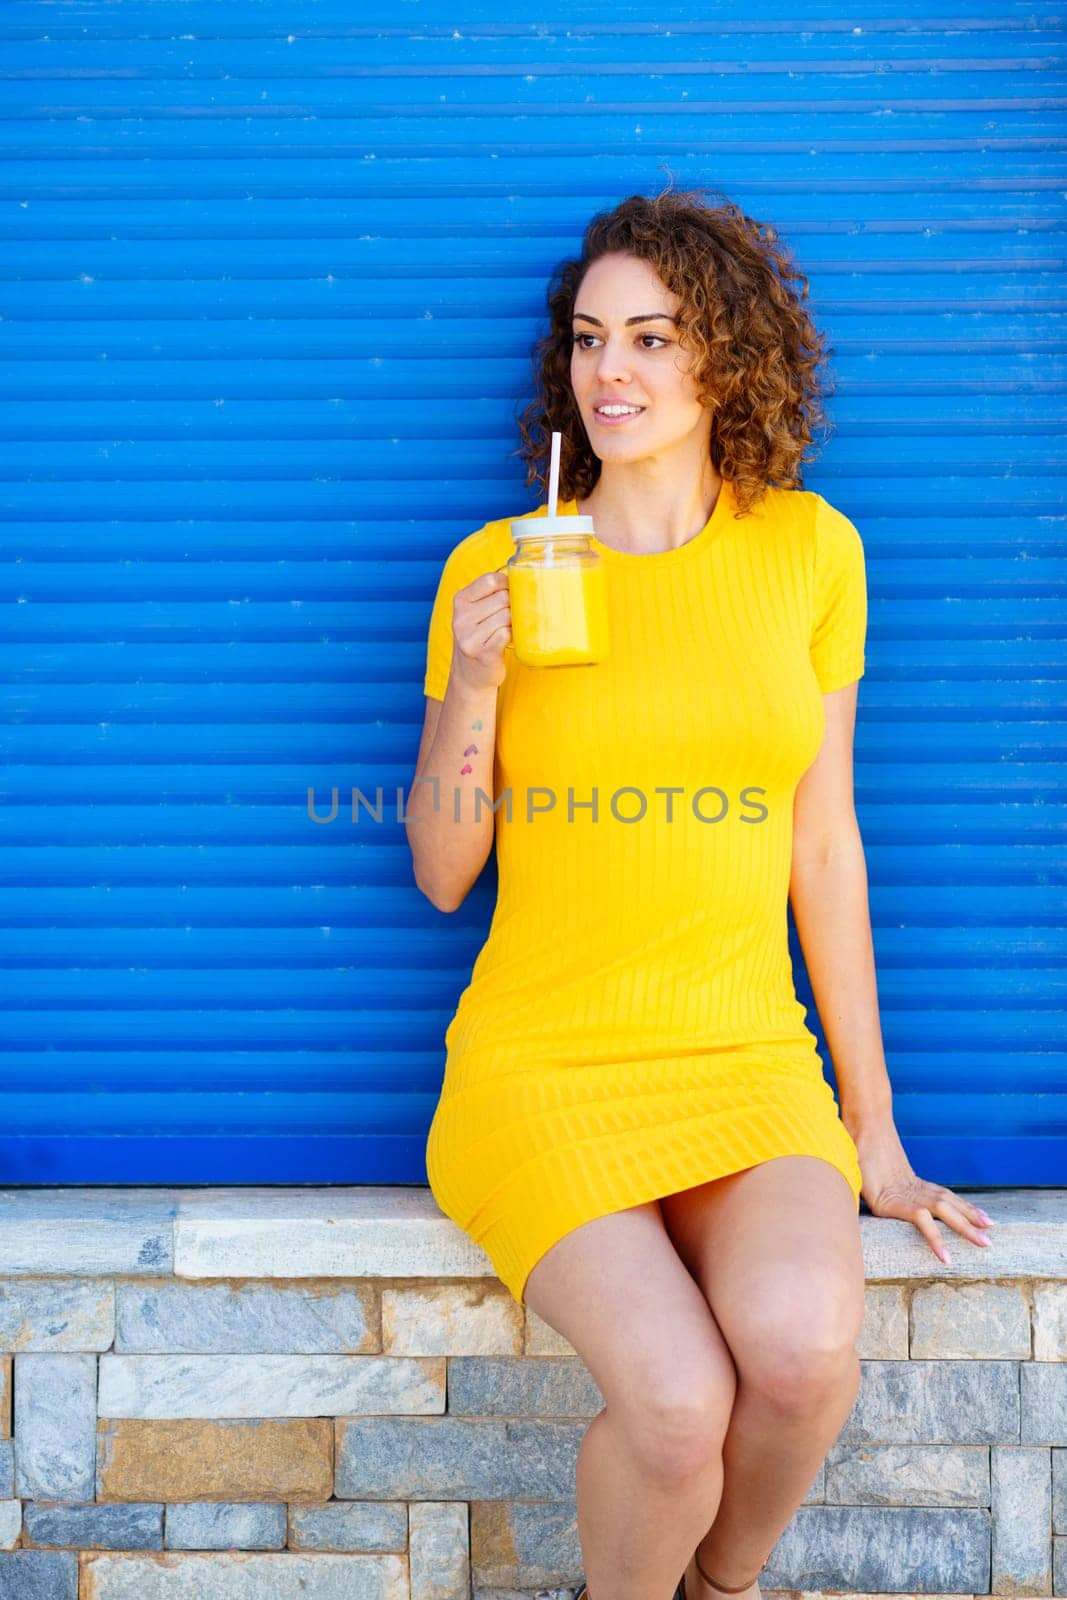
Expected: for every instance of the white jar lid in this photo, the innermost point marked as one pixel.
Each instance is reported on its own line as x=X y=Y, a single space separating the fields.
x=547 y=527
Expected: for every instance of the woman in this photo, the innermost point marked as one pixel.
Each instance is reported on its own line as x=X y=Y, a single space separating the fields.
x=634 y=1123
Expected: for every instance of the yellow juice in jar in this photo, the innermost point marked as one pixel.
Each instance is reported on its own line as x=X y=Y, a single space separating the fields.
x=559 y=614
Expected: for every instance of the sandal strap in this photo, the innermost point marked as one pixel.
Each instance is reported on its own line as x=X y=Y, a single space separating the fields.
x=724 y=1588
x=680 y=1594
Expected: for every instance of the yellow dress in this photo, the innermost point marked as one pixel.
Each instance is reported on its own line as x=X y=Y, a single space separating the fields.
x=631 y=1027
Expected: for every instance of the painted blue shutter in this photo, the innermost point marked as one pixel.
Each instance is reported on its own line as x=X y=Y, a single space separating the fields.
x=270 y=279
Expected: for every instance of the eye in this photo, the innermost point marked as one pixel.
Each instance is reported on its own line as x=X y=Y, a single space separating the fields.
x=578 y=337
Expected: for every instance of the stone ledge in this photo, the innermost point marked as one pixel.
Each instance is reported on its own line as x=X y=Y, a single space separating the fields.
x=387 y=1231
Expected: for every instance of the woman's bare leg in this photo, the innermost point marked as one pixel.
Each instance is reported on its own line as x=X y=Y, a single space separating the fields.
x=649 y=1472
x=776 y=1250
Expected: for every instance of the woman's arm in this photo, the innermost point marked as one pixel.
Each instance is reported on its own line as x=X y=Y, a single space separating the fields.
x=451 y=812
x=828 y=894
x=450 y=836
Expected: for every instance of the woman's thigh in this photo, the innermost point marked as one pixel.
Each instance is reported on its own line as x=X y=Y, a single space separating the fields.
x=617 y=1291
x=777 y=1254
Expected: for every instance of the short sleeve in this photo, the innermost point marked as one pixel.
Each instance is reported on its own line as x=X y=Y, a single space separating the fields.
x=839 y=621
x=462 y=566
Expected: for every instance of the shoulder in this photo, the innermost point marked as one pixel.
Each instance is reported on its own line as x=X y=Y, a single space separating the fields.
x=832 y=525
x=826 y=533
x=487 y=548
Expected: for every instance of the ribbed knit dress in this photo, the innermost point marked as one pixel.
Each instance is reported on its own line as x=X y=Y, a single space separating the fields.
x=631 y=1026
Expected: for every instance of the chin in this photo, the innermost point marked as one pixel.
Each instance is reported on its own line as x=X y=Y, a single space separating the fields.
x=622 y=451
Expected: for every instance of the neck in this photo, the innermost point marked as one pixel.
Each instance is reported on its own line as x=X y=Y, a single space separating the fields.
x=640 y=516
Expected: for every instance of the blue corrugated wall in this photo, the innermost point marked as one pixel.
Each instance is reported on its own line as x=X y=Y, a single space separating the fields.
x=270 y=274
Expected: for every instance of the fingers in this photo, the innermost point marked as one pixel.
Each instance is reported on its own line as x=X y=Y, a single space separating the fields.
x=977 y=1214
x=487 y=595
x=487 y=583
x=498 y=620
x=955 y=1213
x=926 y=1225
x=951 y=1209
x=481 y=623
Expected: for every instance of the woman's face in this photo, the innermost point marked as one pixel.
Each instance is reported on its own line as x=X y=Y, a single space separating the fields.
x=642 y=365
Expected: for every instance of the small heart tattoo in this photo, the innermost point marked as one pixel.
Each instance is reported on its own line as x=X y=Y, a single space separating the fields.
x=467 y=768
x=477 y=726
x=471 y=750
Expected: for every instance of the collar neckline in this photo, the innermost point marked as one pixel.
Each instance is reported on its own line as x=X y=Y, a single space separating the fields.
x=721 y=513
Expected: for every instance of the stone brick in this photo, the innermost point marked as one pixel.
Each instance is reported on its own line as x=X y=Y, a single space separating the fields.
x=857 y=1548
x=55 y=1426
x=5 y=1397
x=339 y=1525
x=1059 y=1566
x=1044 y=1402
x=439 y=1550
x=10 y=1523
x=86 y=1233
x=453 y=1459
x=344 y=1231
x=524 y=1545
x=463 y=1319
x=884 y=1334
x=1059 y=1491
x=269 y=1386
x=217 y=1526
x=7 y=1468
x=966 y=1321
x=49 y=1314
x=232 y=1576
x=38 y=1575
x=92 y=1527
x=908 y=1475
x=935 y=1402
x=1050 y=1321
x=227 y=1460
x=521 y=1546
x=1022 y=1520
x=295 y=1319
x=488 y=1387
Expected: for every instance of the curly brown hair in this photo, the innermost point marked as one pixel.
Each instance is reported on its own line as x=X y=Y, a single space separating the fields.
x=756 y=352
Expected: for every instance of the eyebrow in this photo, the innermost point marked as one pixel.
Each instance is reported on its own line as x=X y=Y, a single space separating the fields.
x=653 y=316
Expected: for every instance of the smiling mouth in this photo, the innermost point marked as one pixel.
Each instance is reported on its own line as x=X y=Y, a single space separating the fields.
x=618 y=416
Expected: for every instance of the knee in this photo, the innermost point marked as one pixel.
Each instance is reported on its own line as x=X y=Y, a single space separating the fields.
x=679 y=1435
x=801 y=1363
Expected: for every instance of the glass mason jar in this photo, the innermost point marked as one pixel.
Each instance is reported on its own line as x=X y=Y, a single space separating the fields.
x=557 y=593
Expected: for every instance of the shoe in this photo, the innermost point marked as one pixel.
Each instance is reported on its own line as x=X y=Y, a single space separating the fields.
x=679 y=1593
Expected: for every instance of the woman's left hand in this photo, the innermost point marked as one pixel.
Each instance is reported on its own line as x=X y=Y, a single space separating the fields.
x=892 y=1189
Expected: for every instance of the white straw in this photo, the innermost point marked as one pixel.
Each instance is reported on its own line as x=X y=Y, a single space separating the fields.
x=553 y=475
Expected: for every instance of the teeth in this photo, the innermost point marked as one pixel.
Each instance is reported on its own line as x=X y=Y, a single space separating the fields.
x=618 y=411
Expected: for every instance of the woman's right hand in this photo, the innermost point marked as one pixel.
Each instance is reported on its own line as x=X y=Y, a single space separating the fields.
x=481 y=630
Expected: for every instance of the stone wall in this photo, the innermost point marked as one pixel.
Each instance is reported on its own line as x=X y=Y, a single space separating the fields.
x=325 y=1394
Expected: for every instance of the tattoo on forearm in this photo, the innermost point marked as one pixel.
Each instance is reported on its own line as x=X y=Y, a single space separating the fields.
x=471 y=750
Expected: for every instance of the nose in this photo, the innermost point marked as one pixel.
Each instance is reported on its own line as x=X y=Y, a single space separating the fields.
x=611 y=364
